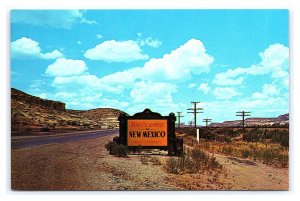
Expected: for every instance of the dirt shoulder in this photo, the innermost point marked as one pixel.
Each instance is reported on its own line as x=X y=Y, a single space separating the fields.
x=245 y=174
x=86 y=165
x=83 y=165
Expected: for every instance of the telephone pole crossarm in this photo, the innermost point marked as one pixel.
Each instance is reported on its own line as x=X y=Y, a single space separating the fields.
x=179 y=118
x=206 y=121
x=195 y=111
x=243 y=114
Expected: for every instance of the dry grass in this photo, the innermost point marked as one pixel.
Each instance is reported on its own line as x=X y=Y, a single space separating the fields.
x=270 y=154
x=194 y=160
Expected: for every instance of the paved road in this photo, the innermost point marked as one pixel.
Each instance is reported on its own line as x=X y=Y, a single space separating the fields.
x=38 y=141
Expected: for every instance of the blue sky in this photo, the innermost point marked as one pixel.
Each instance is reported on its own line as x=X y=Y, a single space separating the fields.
x=229 y=60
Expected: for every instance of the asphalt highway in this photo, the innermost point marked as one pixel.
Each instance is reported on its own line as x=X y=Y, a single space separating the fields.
x=62 y=138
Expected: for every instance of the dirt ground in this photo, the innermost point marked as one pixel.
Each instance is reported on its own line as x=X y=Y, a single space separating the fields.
x=86 y=165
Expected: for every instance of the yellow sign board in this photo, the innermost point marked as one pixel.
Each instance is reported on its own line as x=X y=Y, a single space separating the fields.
x=146 y=132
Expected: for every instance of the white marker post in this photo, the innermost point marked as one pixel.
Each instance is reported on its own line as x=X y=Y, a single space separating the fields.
x=198 y=137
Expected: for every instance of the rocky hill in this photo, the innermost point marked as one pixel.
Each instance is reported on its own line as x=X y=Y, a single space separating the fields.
x=30 y=113
x=281 y=120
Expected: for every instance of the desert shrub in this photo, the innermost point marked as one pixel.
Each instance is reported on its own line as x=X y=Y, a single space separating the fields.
x=280 y=136
x=254 y=135
x=155 y=161
x=192 y=161
x=144 y=160
x=271 y=154
x=109 y=145
x=245 y=153
x=213 y=163
x=116 y=149
x=228 y=150
x=173 y=166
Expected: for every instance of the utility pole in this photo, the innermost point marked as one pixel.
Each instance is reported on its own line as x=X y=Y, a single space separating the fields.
x=195 y=112
x=207 y=121
x=179 y=118
x=243 y=114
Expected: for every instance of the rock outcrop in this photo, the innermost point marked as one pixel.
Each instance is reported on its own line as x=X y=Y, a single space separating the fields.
x=30 y=113
x=28 y=99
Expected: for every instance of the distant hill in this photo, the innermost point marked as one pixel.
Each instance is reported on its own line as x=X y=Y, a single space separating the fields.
x=33 y=113
x=281 y=120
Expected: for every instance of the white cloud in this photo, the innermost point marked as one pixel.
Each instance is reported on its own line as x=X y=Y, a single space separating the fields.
x=153 y=84
x=178 y=66
x=225 y=93
x=223 y=80
x=149 y=41
x=113 y=103
x=222 y=110
x=192 y=85
x=27 y=48
x=55 y=18
x=66 y=67
x=258 y=95
x=86 y=82
x=204 y=87
x=274 y=61
x=81 y=99
x=99 y=36
x=79 y=42
x=270 y=89
x=37 y=84
x=152 y=92
x=52 y=55
x=228 y=77
x=83 y=80
x=181 y=63
x=116 y=51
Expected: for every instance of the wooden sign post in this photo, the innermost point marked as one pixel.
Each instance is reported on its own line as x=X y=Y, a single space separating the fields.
x=149 y=130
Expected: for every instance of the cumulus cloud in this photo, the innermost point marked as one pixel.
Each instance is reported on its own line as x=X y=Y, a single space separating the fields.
x=149 y=41
x=221 y=110
x=229 y=77
x=86 y=82
x=274 y=61
x=81 y=99
x=259 y=95
x=116 y=51
x=66 y=67
x=152 y=92
x=27 y=48
x=225 y=93
x=178 y=66
x=204 y=87
x=270 y=89
x=55 y=18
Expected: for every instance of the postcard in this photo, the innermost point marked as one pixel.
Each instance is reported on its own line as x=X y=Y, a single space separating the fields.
x=149 y=100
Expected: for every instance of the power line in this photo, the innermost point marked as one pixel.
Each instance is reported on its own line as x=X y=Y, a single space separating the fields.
x=207 y=121
x=243 y=114
x=195 y=112
x=178 y=116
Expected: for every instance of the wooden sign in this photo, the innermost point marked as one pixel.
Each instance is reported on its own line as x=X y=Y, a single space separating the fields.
x=147 y=132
